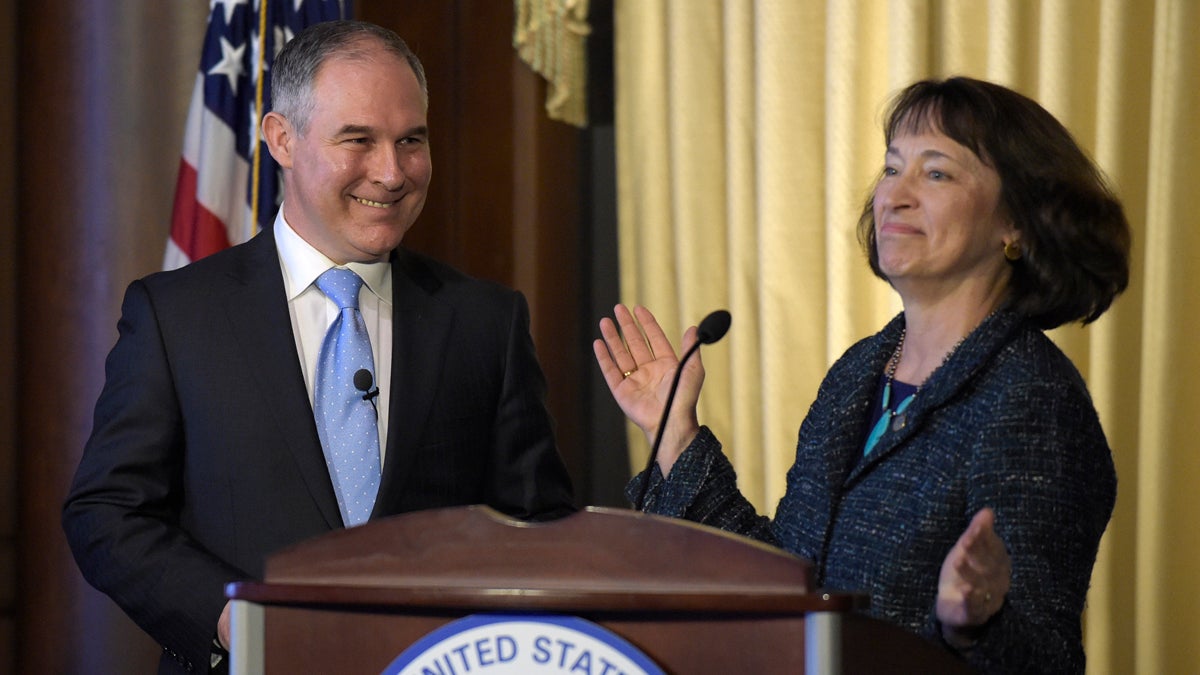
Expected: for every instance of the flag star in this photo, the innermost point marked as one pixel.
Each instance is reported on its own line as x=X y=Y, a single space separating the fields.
x=230 y=64
x=228 y=5
x=282 y=35
x=254 y=128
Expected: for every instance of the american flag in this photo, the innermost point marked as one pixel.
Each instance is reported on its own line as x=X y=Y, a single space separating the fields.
x=229 y=185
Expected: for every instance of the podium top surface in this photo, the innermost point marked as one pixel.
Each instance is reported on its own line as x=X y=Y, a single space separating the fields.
x=599 y=559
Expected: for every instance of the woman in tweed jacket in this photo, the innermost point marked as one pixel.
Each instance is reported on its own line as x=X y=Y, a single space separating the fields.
x=952 y=465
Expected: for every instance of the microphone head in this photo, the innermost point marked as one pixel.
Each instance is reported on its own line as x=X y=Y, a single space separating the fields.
x=363 y=379
x=713 y=327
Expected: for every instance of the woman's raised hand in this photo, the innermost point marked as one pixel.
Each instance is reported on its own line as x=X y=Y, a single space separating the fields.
x=638 y=364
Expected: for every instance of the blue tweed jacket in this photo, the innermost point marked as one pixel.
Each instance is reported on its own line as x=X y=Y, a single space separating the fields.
x=1006 y=422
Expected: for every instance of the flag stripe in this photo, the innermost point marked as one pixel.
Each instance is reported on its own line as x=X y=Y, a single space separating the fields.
x=194 y=229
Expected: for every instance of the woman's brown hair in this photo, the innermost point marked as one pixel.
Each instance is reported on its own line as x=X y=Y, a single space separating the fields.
x=1075 y=238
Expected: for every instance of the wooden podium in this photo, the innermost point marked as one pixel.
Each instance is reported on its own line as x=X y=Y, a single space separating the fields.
x=691 y=598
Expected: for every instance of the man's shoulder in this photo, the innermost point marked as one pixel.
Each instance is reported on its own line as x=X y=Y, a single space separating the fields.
x=440 y=278
x=231 y=262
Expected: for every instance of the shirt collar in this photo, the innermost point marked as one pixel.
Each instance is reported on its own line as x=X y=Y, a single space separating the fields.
x=302 y=264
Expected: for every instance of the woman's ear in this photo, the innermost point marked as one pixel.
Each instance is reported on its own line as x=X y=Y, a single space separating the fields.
x=279 y=134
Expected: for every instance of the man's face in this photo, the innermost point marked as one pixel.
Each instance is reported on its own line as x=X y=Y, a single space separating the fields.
x=356 y=179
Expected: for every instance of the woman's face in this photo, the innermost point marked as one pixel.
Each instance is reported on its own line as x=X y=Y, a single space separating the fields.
x=938 y=218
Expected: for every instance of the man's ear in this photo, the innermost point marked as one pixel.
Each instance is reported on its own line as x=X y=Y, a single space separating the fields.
x=280 y=135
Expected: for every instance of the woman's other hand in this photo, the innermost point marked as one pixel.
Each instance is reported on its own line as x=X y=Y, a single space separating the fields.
x=974 y=581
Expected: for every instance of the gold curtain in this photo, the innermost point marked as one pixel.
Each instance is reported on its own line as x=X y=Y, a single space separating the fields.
x=748 y=132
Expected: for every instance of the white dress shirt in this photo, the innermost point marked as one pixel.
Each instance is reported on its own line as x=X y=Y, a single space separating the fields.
x=313 y=312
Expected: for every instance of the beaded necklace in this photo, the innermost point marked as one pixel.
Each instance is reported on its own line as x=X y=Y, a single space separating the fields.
x=896 y=417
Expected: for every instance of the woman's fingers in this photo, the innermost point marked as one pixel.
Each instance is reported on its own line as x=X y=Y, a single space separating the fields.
x=635 y=342
x=608 y=366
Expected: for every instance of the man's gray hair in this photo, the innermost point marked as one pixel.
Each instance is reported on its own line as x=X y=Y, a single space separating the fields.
x=295 y=69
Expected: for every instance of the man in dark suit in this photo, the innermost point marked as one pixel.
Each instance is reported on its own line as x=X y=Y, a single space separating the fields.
x=205 y=456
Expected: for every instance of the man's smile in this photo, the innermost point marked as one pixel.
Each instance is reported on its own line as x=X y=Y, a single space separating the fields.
x=375 y=204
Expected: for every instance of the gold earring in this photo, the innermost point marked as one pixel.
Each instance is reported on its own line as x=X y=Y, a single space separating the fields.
x=1012 y=251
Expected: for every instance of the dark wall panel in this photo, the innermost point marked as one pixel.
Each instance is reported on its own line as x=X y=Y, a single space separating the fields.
x=8 y=338
x=103 y=91
x=505 y=199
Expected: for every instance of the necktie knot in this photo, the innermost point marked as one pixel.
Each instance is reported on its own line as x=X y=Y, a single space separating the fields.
x=341 y=286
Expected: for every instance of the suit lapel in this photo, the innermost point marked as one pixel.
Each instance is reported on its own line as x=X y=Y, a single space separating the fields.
x=943 y=384
x=260 y=320
x=844 y=456
x=421 y=327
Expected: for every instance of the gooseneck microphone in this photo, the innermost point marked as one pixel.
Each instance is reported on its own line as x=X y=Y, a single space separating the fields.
x=712 y=328
x=364 y=381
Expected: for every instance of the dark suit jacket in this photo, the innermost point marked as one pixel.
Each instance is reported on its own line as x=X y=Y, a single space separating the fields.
x=1006 y=422
x=204 y=456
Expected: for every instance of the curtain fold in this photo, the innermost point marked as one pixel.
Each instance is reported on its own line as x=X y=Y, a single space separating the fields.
x=1167 y=602
x=748 y=134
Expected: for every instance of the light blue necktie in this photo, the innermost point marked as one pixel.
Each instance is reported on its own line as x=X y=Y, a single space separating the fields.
x=346 y=421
